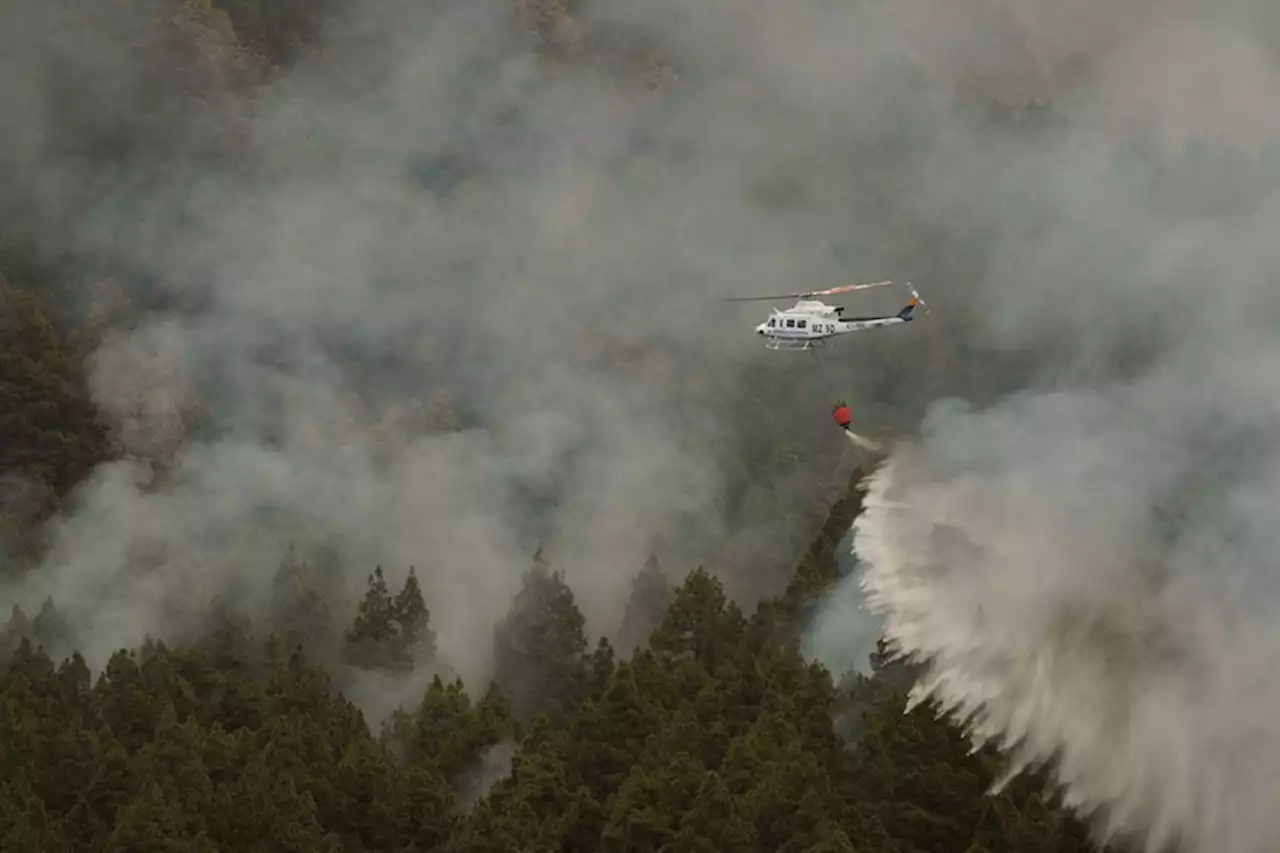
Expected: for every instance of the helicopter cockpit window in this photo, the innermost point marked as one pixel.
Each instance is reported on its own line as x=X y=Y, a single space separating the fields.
x=772 y=323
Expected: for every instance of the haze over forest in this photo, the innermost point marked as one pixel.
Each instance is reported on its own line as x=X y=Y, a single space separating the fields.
x=296 y=291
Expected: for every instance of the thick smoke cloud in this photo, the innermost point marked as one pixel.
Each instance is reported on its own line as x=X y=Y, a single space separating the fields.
x=433 y=300
x=1087 y=562
x=429 y=299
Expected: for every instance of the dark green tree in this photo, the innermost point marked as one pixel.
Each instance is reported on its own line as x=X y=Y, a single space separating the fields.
x=446 y=731
x=152 y=824
x=700 y=623
x=51 y=629
x=714 y=821
x=650 y=596
x=51 y=434
x=371 y=638
x=416 y=638
x=300 y=610
x=540 y=646
x=16 y=630
x=25 y=823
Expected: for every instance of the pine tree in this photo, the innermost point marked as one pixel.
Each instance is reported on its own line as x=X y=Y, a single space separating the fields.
x=151 y=824
x=700 y=623
x=26 y=824
x=713 y=822
x=50 y=629
x=51 y=434
x=832 y=839
x=18 y=629
x=601 y=668
x=540 y=646
x=300 y=609
x=416 y=636
x=443 y=731
x=650 y=596
x=372 y=635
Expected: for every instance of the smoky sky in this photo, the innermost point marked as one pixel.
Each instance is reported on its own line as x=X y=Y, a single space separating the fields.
x=427 y=297
x=426 y=219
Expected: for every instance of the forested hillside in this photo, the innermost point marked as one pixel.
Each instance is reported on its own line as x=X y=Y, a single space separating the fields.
x=713 y=735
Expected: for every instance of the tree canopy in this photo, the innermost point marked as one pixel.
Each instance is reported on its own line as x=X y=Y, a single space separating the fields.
x=713 y=734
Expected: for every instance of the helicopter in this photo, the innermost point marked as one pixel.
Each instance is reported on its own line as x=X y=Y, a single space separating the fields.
x=812 y=322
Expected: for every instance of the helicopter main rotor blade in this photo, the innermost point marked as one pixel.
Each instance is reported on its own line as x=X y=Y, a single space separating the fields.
x=844 y=288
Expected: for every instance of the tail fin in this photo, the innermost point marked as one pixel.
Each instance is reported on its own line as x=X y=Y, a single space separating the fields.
x=908 y=311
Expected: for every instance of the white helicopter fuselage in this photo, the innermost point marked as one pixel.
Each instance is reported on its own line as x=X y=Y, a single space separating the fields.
x=811 y=322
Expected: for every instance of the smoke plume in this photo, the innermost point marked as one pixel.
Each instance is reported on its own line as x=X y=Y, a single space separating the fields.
x=1084 y=554
x=433 y=295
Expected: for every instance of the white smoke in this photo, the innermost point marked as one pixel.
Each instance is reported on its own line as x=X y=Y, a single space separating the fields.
x=1086 y=577
x=423 y=208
